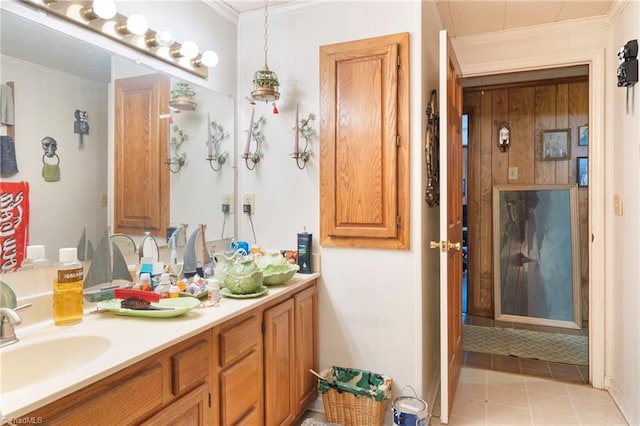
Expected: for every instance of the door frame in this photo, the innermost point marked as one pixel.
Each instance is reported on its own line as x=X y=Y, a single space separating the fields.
x=599 y=303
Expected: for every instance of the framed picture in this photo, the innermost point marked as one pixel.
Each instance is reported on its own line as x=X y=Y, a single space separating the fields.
x=536 y=269
x=583 y=135
x=582 y=174
x=556 y=144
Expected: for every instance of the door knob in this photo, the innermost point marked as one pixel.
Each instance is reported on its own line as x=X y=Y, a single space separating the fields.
x=441 y=245
x=445 y=245
x=455 y=246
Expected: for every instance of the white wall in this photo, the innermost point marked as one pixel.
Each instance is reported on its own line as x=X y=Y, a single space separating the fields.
x=83 y=171
x=624 y=256
x=370 y=301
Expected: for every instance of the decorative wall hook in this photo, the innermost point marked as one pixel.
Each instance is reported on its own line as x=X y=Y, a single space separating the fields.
x=303 y=128
x=177 y=160
x=255 y=133
x=216 y=135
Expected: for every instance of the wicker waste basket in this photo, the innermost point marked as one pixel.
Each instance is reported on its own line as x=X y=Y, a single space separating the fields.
x=353 y=397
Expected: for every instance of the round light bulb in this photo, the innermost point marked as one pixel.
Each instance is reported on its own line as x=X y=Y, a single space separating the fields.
x=137 y=24
x=209 y=58
x=105 y=9
x=189 y=49
x=164 y=37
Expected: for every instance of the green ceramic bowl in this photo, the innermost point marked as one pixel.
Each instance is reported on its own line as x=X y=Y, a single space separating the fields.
x=279 y=274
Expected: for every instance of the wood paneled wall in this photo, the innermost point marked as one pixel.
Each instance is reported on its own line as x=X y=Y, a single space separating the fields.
x=528 y=109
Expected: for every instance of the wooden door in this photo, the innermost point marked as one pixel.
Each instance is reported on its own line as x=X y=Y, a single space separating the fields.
x=279 y=364
x=450 y=224
x=141 y=190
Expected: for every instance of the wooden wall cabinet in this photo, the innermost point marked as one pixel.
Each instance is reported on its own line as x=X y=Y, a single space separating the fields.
x=141 y=175
x=157 y=390
x=364 y=143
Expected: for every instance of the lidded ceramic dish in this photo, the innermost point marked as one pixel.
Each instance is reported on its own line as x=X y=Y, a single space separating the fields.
x=243 y=278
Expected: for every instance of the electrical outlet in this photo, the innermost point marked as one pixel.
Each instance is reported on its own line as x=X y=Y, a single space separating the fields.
x=249 y=200
x=103 y=200
x=227 y=199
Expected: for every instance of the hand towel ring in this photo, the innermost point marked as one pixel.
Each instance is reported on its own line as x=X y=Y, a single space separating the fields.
x=51 y=156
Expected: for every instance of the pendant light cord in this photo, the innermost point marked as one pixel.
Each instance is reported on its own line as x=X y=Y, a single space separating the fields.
x=266 y=36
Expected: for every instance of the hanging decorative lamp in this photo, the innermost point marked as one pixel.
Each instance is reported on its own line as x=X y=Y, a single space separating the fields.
x=265 y=81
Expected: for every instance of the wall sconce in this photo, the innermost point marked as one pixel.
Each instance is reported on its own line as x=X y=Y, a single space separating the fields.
x=214 y=140
x=628 y=69
x=504 y=137
x=102 y=17
x=255 y=133
x=303 y=128
x=175 y=160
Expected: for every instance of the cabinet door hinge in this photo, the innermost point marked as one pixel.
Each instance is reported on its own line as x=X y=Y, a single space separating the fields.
x=398 y=221
x=209 y=399
x=398 y=61
x=264 y=327
x=397 y=140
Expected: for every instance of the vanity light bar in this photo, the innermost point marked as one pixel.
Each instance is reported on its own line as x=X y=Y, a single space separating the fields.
x=81 y=13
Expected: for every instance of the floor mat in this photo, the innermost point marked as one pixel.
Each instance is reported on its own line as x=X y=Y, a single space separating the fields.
x=567 y=348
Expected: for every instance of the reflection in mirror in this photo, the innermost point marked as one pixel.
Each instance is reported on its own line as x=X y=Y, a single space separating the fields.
x=54 y=75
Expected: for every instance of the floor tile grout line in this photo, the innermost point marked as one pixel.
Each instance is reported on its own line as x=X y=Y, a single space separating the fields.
x=573 y=406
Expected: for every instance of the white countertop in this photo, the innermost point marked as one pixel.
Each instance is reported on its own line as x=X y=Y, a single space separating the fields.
x=132 y=339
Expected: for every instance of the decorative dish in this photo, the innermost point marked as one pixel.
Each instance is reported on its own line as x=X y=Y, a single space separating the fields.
x=226 y=293
x=180 y=305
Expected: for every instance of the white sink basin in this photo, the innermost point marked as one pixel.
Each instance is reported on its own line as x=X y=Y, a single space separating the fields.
x=26 y=363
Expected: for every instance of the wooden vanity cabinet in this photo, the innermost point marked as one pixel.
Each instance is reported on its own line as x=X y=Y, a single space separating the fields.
x=237 y=371
x=166 y=388
x=290 y=348
x=252 y=369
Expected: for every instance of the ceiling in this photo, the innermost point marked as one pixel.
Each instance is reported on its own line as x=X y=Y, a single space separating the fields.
x=466 y=17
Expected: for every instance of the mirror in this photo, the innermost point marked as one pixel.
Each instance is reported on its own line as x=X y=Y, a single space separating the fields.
x=54 y=76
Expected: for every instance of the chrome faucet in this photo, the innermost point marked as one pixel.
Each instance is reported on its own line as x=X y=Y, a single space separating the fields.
x=8 y=319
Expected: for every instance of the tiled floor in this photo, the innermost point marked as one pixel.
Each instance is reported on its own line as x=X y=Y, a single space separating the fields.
x=533 y=367
x=486 y=397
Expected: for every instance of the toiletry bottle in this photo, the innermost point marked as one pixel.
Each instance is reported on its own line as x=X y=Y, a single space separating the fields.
x=213 y=291
x=174 y=291
x=304 y=252
x=164 y=286
x=35 y=258
x=67 y=288
x=145 y=282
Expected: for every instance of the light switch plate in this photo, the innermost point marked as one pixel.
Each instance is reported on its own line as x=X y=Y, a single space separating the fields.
x=513 y=173
x=617 y=204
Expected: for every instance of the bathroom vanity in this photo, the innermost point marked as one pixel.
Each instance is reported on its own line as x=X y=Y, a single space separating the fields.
x=246 y=361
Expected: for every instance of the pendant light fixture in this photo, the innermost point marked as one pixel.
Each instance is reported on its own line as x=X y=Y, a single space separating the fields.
x=265 y=81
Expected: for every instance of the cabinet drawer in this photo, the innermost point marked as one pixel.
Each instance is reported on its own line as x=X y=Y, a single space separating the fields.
x=237 y=340
x=120 y=404
x=190 y=367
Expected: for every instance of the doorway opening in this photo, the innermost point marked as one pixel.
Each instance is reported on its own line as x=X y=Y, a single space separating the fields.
x=530 y=103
